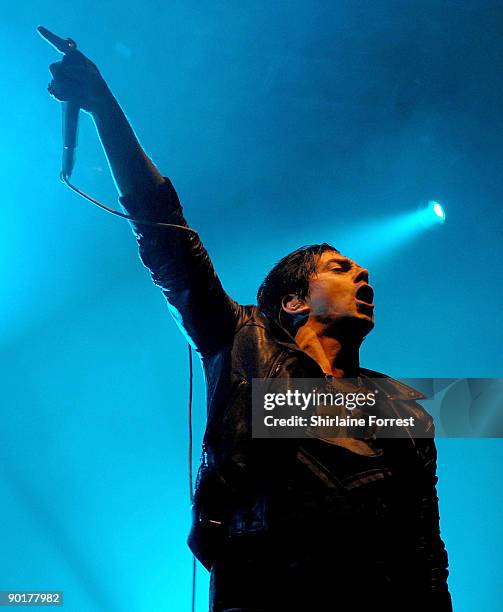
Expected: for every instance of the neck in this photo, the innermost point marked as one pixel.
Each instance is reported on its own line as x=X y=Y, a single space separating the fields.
x=337 y=354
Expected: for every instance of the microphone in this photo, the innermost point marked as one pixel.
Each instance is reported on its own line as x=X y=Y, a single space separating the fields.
x=70 y=124
x=70 y=110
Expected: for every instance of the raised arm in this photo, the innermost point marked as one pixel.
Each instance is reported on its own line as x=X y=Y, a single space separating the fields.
x=178 y=262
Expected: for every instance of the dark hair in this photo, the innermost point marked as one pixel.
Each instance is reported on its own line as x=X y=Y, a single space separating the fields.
x=290 y=275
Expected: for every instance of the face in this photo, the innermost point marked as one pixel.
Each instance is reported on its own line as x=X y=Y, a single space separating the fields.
x=339 y=292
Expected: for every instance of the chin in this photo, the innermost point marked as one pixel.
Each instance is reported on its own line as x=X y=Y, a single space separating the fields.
x=365 y=324
x=370 y=326
x=358 y=325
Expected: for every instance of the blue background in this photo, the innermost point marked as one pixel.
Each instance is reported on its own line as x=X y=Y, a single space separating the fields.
x=280 y=124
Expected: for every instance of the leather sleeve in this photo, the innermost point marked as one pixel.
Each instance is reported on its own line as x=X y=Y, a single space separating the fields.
x=181 y=267
x=430 y=548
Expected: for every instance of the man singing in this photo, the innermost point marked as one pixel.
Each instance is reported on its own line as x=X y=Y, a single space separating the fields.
x=284 y=525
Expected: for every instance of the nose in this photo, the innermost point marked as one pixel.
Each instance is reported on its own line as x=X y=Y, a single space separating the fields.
x=361 y=275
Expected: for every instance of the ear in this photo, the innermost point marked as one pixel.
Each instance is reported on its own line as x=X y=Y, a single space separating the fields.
x=293 y=305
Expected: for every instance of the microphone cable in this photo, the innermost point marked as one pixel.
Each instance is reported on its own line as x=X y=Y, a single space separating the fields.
x=112 y=211
x=191 y=488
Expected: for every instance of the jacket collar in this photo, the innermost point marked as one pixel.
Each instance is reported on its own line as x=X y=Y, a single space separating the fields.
x=392 y=388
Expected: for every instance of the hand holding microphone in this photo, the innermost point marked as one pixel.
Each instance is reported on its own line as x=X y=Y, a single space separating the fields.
x=77 y=83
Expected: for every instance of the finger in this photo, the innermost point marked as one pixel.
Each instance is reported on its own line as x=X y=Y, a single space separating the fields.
x=64 y=90
x=56 y=69
x=56 y=91
x=74 y=58
x=61 y=71
x=79 y=73
x=60 y=44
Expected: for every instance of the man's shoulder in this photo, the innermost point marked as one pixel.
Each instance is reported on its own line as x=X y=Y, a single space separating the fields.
x=405 y=399
x=251 y=315
x=394 y=389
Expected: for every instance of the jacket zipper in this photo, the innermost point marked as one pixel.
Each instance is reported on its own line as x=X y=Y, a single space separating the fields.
x=276 y=366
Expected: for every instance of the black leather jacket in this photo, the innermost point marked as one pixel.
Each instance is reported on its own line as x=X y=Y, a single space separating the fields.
x=237 y=343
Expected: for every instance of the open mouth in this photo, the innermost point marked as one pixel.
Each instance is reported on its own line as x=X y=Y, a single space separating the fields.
x=365 y=294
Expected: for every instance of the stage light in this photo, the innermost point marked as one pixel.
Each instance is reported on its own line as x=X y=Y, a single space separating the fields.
x=437 y=210
x=375 y=240
x=430 y=215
